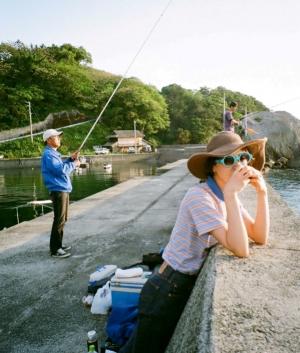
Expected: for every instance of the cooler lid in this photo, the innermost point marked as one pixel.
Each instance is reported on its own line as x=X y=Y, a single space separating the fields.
x=134 y=280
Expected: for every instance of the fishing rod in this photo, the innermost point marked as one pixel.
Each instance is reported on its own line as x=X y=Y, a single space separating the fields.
x=273 y=106
x=126 y=71
x=243 y=120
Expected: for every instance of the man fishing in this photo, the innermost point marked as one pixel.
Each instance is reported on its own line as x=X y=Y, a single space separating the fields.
x=56 y=176
x=229 y=121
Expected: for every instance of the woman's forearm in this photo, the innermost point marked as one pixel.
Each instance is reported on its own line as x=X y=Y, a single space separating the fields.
x=236 y=236
x=261 y=224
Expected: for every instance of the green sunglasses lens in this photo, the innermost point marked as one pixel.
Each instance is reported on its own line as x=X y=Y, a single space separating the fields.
x=229 y=160
x=245 y=156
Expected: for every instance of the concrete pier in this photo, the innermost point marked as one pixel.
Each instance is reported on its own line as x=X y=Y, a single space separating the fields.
x=238 y=305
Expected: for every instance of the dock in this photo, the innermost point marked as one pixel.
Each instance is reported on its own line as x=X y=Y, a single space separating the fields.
x=238 y=305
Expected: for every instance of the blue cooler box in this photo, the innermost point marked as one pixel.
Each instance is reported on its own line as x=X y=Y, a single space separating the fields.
x=126 y=291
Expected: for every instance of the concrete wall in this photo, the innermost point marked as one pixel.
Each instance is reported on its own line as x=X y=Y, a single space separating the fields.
x=194 y=331
x=171 y=153
x=247 y=305
x=53 y=120
x=36 y=162
x=36 y=127
x=165 y=154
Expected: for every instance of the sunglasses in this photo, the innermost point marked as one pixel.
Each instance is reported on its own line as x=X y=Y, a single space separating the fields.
x=229 y=161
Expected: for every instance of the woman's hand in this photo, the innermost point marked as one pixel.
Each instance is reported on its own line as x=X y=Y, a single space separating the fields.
x=238 y=180
x=257 y=180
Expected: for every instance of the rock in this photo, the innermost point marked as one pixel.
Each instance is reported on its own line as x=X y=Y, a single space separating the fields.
x=283 y=133
x=282 y=162
x=269 y=164
x=65 y=118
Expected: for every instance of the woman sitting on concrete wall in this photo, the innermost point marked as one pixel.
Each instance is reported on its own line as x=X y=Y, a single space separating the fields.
x=210 y=213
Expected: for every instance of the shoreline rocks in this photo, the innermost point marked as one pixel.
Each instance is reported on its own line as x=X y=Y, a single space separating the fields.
x=283 y=132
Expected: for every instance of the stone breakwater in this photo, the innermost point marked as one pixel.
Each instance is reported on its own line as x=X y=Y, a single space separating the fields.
x=238 y=305
x=92 y=159
x=248 y=305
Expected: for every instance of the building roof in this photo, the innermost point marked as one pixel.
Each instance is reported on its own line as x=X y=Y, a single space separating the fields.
x=126 y=133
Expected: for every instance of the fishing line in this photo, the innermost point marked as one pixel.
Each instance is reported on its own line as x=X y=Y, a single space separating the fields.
x=288 y=101
x=126 y=71
x=273 y=106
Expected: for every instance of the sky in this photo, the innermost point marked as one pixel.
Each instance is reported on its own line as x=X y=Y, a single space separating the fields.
x=250 y=46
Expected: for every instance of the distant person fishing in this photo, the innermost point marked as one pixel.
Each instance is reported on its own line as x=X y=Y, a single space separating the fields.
x=228 y=120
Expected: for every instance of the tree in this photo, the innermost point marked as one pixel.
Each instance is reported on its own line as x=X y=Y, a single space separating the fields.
x=135 y=101
x=58 y=78
x=52 y=78
x=182 y=108
x=69 y=53
x=200 y=112
x=183 y=136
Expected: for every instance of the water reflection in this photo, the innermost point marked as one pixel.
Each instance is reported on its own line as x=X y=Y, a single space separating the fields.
x=19 y=186
x=287 y=183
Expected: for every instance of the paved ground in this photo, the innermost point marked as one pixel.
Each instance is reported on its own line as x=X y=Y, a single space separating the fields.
x=238 y=305
x=257 y=300
x=41 y=308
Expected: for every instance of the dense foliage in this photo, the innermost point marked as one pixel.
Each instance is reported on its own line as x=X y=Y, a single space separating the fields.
x=59 y=78
x=195 y=115
x=52 y=78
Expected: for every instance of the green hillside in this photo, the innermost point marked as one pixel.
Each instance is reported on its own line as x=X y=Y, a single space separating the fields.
x=59 y=78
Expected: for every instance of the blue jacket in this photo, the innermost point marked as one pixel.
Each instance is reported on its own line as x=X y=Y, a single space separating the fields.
x=55 y=171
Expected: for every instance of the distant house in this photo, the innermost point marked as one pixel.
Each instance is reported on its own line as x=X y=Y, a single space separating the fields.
x=126 y=141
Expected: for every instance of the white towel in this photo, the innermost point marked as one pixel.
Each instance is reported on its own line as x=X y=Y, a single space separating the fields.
x=130 y=272
x=102 y=272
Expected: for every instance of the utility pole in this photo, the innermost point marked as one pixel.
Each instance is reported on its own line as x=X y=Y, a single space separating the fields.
x=224 y=110
x=246 y=122
x=30 y=120
x=134 y=125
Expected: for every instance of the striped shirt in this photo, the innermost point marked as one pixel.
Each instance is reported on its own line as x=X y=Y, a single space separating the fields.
x=200 y=212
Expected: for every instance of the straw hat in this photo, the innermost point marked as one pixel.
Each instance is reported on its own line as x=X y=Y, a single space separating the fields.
x=223 y=144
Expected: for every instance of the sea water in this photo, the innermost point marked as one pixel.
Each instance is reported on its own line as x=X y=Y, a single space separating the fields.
x=287 y=183
x=20 y=186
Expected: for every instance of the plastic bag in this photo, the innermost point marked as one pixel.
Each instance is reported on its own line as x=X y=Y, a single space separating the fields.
x=87 y=299
x=102 y=300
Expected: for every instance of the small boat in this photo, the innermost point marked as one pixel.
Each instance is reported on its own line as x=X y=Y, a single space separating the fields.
x=107 y=166
x=78 y=170
x=83 y=162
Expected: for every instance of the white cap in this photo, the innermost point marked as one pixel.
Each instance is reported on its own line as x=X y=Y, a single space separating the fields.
x=50 y=133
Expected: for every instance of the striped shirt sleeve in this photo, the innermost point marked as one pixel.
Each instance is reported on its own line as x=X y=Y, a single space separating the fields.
x=204 y=213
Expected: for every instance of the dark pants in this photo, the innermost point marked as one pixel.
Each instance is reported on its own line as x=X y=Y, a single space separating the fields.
x=60 y=208
x=162 y=301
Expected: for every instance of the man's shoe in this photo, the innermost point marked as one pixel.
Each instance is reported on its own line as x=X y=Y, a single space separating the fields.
x=66 y=248
x=61 y=254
